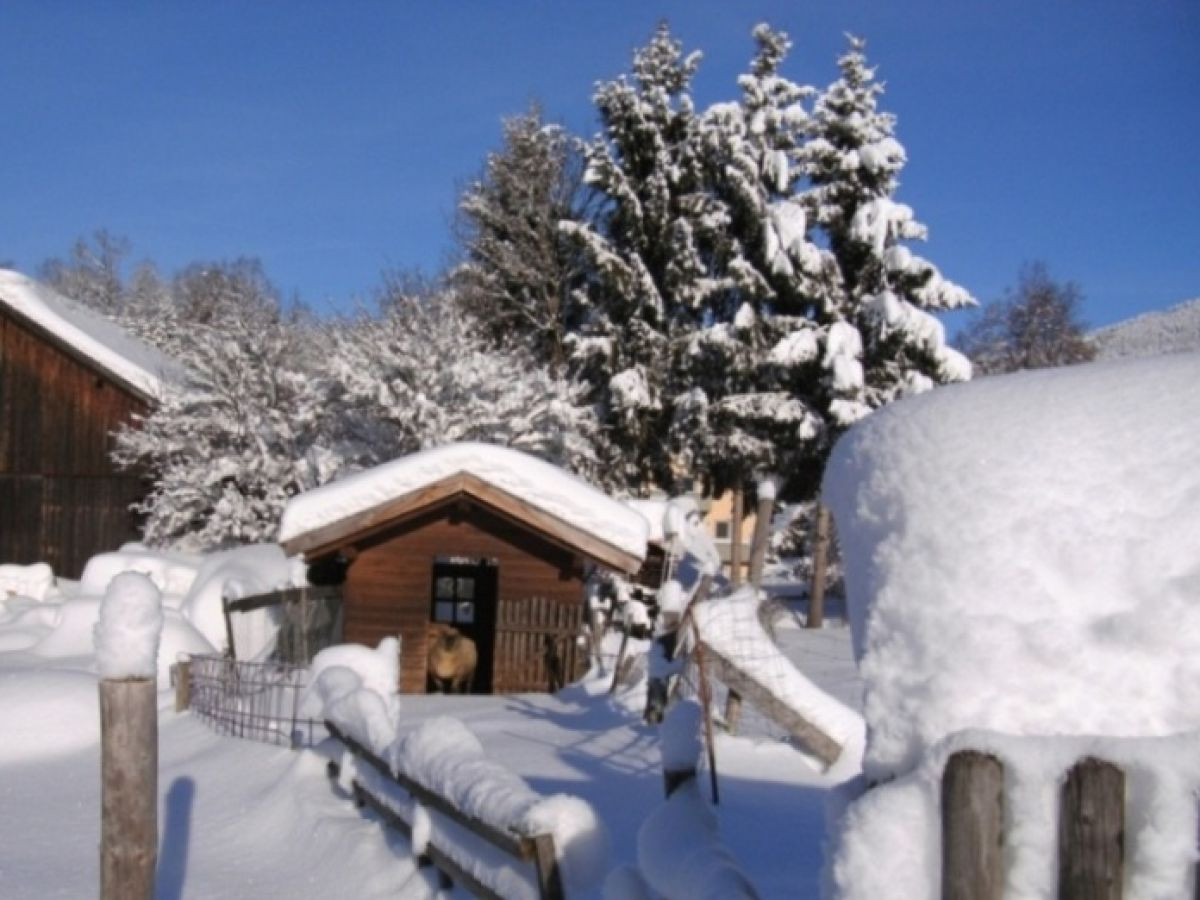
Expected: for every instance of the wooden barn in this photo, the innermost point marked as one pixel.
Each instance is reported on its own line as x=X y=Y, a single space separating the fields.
x=484 y=538
x=68 y=379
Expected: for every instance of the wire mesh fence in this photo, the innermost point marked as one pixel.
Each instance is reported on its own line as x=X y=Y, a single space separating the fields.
x=259 y=701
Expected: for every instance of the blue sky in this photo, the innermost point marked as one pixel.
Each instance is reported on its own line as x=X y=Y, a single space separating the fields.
x=331 y=139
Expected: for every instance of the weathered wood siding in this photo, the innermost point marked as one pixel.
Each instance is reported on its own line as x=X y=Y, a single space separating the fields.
x=61 y=498
x=388 y=585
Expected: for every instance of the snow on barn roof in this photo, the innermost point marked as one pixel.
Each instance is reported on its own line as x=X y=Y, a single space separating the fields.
x=529 y=488
x=88 y=335
x=1021 y=556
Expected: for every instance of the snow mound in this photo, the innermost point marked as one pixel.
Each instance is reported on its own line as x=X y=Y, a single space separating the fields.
x=231 y=575
x=35 y=581
x=128 y=628
x=1021 y=556
x=356 y=687
x=47 y=713
x=66 y=631
x=540 y=484
x=172 y=573
x=89 y=334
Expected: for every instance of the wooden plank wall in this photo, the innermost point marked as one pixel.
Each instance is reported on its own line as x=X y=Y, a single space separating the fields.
x=387 y=589
x=61 y=498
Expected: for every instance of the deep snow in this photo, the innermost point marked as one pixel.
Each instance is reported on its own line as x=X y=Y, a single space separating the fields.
x=239 y=819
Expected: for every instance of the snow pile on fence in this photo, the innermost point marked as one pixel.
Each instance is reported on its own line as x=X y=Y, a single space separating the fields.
x=173 y=573
x=536 y=482
x=354 y=687
x=1020 y=557
x=730 y=626
x=128 y=629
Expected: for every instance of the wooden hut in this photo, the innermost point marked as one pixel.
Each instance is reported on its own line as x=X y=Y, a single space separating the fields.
x=68 y=379
x=484 y=538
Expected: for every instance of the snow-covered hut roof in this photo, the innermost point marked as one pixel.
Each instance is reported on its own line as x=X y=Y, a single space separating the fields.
x=514 y=484
x=88 y=336
x=1021 y=556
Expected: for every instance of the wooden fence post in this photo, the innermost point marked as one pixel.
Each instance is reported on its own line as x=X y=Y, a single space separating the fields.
x=1091 y=833
x=972 y=827
x=816 y=601
x=129 y=792
x=183 y=683
x=758 y=557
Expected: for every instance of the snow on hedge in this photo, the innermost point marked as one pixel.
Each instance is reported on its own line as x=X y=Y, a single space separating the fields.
x=542 y=485
x=128 y=628
x=1021 y=557
x=89 y=334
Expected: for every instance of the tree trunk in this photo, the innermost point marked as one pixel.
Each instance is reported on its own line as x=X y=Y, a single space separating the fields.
x=129 y=788
x=816 y=602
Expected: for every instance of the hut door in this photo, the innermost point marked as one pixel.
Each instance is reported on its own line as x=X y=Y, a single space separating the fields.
x=464 y=595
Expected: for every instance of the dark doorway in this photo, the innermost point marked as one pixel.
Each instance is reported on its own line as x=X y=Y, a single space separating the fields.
x=463 y=595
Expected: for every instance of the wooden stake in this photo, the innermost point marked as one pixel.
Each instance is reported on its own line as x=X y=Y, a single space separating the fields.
x=816 y=603
x=1091 y=833
x=973 y=827
x=706 y=705
x=129 y=788
x=183 y=684
x=735 y=539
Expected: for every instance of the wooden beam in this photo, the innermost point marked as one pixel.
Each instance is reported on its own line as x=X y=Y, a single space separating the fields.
x=972 y=827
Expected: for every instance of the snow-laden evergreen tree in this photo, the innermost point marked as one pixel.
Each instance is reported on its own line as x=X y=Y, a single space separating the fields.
x=518 y=268
x=752 y=373
x=647 y=276
x=421 y=374
x=881 y=341
x=247 y=427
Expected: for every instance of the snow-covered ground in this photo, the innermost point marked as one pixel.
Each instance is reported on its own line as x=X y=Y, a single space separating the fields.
x=239 y=819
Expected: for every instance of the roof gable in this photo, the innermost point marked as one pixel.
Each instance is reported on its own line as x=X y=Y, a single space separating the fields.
x=519 y=487
x=88 y=336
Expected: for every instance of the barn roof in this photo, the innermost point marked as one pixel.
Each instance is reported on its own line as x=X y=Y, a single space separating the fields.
x=519 y=487
x=87 y=336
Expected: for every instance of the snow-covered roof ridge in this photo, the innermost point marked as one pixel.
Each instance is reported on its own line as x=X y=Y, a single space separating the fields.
x=541 y=485
x=96 y=339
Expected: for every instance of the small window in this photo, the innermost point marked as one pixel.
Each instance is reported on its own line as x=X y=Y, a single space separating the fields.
x=723 y=531
x=445 y=588
x=465 y=612
x=466 y=589
x=444 y=612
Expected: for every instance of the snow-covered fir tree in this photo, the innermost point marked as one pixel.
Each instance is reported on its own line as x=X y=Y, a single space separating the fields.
x=421 y=374
x=647 y=278
x=518 y=268
x=881 y=341
x=245 y=430
x=752 y=373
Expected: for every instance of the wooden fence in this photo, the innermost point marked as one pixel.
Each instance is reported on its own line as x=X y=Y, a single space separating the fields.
x=255 y=700
x=537 y=850
x=537 y=645
x=1091 y=830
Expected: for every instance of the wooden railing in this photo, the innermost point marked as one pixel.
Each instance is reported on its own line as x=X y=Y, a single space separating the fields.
x=537 y=849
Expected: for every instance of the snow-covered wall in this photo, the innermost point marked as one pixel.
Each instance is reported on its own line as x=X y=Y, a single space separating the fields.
x=1022 y=556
